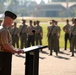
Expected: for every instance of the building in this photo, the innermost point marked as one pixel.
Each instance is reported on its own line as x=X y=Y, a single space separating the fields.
x=54 y=9
x=49 y=10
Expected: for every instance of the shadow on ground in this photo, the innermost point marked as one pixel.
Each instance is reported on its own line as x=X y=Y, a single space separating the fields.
x=61 y=52
x=60 y=57
x=41 y=57
x=44 y=52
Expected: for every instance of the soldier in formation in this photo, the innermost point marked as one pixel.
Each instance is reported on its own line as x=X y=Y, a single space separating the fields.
x=23 y=34
x=15 y=35
x=48 y=35
x=73 y=37
x=39 y=34
x=66 y=29
x=59 y=31
x=35 y=24
x=53 y=38
x=31 y=34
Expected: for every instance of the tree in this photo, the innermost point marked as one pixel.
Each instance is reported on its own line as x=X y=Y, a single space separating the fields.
x=13 y=5
x=2 y=6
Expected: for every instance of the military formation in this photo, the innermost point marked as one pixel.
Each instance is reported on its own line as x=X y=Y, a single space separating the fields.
x=31 y=34
x=54 y=34
x=27 y=35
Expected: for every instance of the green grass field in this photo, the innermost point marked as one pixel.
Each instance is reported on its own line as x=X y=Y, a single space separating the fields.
x=45 y=40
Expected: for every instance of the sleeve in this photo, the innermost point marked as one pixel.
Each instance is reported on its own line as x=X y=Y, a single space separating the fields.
x=4 y=37
x=47 y=31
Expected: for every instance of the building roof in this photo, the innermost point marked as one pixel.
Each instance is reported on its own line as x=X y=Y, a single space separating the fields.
x=50 y=6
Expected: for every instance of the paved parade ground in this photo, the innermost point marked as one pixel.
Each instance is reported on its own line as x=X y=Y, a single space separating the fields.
x=64 y=64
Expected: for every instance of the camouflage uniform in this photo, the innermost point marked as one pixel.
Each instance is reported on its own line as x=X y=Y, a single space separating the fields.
x=59 y=30
x=5 y=57
x=66 y=29
x=39 y=35
x=53 y=39
x=48 y=29
x=73 y=39
x=6 y=48
x=15 y=36
x=23 y=35
x=31 y=36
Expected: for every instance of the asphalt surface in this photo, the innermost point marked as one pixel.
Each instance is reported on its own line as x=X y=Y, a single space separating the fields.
x=63 y=64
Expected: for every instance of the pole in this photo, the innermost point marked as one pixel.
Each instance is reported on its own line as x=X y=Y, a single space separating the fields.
x=67 y=8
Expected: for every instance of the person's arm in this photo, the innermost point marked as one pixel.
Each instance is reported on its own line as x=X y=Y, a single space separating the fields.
x=42 y=32
x=6 y=46
x=59 y=31
x=64 y=29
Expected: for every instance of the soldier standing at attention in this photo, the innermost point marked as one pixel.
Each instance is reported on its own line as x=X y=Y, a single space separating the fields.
x=59 y=30
x=48 y=33
x=23 y=34
x=53 y=38
x=31 y=34
x=73 y=37
x=35 y=23
x=15 y=35
x=66 y=29
x=39 y=34
x=6 y=47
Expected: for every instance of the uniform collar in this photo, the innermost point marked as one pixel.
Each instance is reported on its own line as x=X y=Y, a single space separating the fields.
x=5 y=27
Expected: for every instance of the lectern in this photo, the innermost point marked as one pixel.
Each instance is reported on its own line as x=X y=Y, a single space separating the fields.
x=32 y=59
